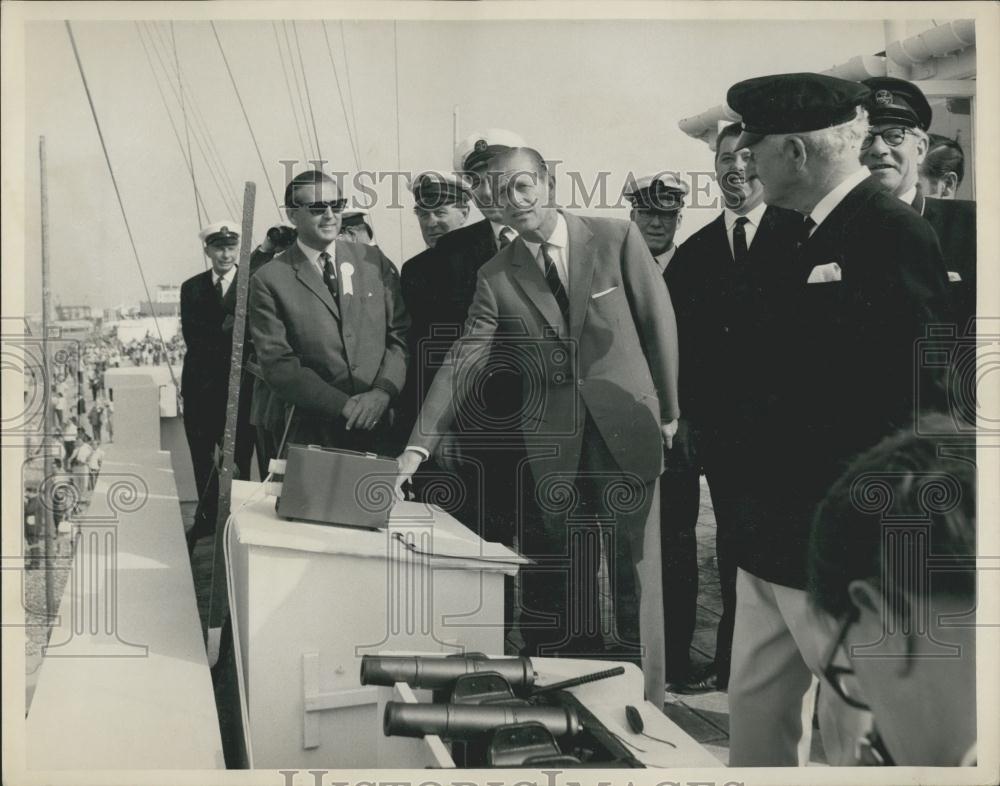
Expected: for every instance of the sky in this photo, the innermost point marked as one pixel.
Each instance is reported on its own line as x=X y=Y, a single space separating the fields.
x=601 y=95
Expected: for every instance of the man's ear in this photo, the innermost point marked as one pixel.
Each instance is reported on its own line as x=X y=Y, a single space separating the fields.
x=795 y=148
x=949 y=185
x=290 y=213
x=865 y=597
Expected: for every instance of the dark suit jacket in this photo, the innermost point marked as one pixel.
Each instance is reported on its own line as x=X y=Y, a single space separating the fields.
x=843 y=367
x=438 y=285
x=616 y=360
x=954 y=222
x=723 y=318
x=315 y=355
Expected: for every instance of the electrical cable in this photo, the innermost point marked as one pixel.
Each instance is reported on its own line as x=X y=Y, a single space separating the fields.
x=413 y=549
x=118 y=194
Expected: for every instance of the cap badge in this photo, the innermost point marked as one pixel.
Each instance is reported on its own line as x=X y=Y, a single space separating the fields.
x=224 y=229
x=883 y=97
x=480 y=145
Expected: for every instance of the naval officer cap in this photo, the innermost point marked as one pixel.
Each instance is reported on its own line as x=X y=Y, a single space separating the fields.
x=663 y=193
x=221 y=233
x=897 y=101
x=793 y=103
x=478 y=148
x=353 y=218
x=437 y=189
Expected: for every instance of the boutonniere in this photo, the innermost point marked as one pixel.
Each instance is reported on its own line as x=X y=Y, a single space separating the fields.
x=347 y=270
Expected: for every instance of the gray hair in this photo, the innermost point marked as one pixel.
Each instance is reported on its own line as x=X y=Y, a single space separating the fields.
x=837 y=142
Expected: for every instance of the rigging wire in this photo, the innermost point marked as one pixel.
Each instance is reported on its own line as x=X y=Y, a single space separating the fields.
x=187 y=130
x=350 y=91
x=118 y=195
x=227 y=200
x=170 y=117
x=288 y=90
x=395 y=68
x=340 y=92
x=305 y=83
x=246 y=117
x=298 y=90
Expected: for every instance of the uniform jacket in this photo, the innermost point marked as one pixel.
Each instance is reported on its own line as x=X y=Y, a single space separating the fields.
x=723 y=317
x=616 y=360
x=843 y=367
x=954 y=222
x=315 y=354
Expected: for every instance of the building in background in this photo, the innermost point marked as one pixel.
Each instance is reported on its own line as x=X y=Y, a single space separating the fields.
x=166 y=302
x=74 y=313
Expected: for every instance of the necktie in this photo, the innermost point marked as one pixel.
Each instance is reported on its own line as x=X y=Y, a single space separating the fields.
x=218 y=288
x=552 y=278
x=740 y=240
x=330 y=276
x=506 y=237
x=807 y=227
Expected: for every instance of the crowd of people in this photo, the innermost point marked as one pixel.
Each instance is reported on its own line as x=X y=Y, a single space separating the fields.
x=151 y=351
x=771 y=352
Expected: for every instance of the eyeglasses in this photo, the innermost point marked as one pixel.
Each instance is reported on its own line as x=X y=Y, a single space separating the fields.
x=893 y=137
x=842 y=679
x=319 y=208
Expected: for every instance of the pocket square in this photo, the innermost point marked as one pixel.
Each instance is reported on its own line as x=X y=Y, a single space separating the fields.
x=823 y=274
x=602 y=293
x=953 y=276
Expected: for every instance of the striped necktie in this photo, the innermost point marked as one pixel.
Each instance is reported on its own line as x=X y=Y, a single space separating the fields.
x=555 y=284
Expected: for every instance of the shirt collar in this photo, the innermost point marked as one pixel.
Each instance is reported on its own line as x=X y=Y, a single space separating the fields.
x=313 y=255
x=753 y=217
x=662 y=260
x=227 y=276
x=559 y=237
x=910 y=196
x=836 y=195
x=498 y=228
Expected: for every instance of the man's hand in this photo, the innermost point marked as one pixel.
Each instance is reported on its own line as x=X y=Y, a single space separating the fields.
x=668 y=430
x=407 y=461
x=365 y=409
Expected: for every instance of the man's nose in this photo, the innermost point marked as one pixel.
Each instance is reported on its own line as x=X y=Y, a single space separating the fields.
x=878 y=147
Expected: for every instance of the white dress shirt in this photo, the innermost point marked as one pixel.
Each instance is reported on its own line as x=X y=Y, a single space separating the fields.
x=827 y=204
x=498 y=228
x=664 y=259
x=753 y=219
x=558 y=244
x=313 y=255
x=910 y=196
x=227 y=279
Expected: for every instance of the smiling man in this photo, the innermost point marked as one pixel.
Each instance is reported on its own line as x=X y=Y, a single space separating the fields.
x=896 y=142
x=581 y=300
x=329 y=326
x=441 y=204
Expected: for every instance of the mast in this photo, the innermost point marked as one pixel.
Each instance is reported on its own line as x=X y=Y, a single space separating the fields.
x=47 y=488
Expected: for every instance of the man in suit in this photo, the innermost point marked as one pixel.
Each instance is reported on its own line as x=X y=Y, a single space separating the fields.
x=473 y=474
x=865 y=284
x=943 y=168
x=329 y=326
x=895 y=149
x=718 y=284
x=208 y=304
x=579 y=301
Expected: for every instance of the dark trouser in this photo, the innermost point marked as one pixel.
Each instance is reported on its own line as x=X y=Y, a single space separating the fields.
x=680 y=493
x=726 y=501
x=560 y=595
x=202 y=438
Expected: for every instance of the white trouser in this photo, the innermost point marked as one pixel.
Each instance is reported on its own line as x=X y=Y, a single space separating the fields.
x=772 y=686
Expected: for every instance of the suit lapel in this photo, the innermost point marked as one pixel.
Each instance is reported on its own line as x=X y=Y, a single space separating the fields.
x=581 y=272
x=531 y=281
x=311 y=279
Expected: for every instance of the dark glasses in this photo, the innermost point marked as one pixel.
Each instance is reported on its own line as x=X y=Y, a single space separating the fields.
x=893 y=137
x=319 y=208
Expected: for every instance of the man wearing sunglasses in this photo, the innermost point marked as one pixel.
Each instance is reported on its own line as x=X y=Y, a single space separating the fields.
x=900 y=632
x=329 y=326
